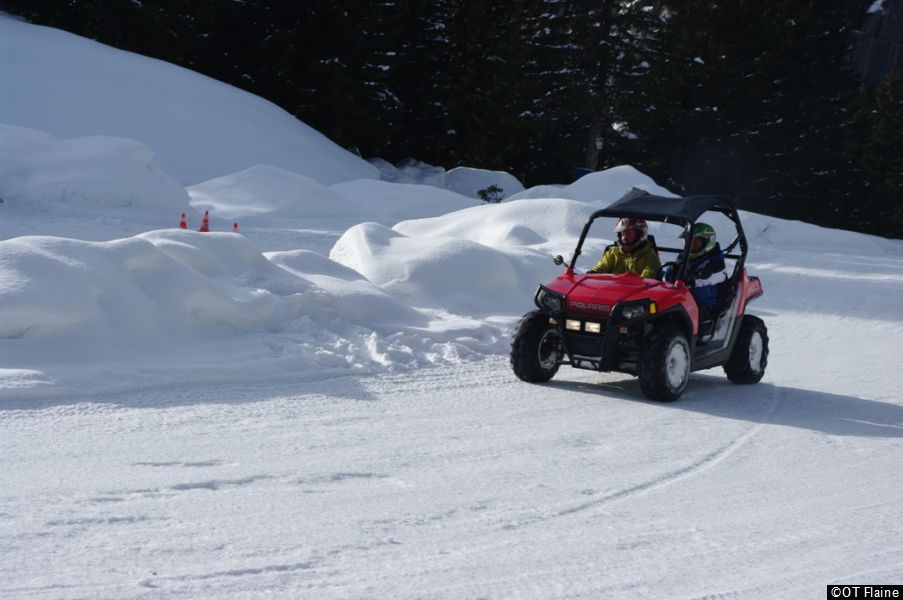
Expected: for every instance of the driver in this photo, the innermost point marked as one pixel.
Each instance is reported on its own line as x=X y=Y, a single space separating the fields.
x=633 y=252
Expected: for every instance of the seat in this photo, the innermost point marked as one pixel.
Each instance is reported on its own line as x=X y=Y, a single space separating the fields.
x=709 y=321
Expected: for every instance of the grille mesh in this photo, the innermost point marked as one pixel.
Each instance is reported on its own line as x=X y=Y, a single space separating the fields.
x=584 y=345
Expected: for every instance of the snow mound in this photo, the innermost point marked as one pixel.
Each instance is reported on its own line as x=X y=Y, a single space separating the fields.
x=485 y=259
x=386 y=202
x=763 y=230
x=266 y=193
x=541 y=191
x=179 y=282
x=410 y=171
x=468 y=181
x=310 y=264
x=519 y=223
x=601 y=187
x=198 y=128
x=441 y=272
x=87 y=175
x=482 y=260
x=153 y=307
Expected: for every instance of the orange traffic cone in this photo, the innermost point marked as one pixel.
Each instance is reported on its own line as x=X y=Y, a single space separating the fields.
x=205 y=224
x=234 y=227
x=183 y=224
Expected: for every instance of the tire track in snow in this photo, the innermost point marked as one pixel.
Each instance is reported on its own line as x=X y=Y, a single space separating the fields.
x=696 y=467
x=177 y=583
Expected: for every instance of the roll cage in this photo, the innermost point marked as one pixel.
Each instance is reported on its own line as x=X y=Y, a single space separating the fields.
x=681 y=211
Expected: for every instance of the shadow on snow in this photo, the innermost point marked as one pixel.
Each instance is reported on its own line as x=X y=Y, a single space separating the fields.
x=824 y=412
x=340 y=387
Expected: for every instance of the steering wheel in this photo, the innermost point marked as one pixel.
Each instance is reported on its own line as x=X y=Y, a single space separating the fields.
x=674 y=266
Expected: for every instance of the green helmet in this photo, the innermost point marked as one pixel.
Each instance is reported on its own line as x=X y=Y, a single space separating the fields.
x=707 y=233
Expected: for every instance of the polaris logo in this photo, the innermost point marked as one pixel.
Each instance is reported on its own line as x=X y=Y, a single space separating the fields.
x=589 y=306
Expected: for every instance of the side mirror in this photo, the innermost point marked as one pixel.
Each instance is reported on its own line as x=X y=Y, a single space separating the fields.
x=558 y=260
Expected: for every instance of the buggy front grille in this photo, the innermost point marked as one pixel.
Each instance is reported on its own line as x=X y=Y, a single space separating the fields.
x=584 y=345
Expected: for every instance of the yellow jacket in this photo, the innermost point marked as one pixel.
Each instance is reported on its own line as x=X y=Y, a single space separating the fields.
x=643 y=261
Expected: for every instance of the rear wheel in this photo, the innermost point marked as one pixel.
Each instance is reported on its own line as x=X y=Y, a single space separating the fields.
x=664 y=367
x=535 y=348
x=750 y=355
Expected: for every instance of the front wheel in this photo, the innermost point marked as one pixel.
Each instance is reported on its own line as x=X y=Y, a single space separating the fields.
x=664 y=367
x=535 y=348
x=750 y=354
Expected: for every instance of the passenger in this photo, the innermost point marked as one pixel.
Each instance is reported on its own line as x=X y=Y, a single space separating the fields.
x=705 y=270
x=633 y=252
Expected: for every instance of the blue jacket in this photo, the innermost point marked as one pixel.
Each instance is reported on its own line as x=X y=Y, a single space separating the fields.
x=704 y=273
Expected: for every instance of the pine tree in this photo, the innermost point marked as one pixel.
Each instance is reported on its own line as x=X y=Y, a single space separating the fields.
x=584 y=63
x=755 y=103
x=417 y=53
x=879 y=153
x=480 y=83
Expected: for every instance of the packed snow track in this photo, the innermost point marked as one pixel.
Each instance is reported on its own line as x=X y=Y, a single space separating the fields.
x=451 y=482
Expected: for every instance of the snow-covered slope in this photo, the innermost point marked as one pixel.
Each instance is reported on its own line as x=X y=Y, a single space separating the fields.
x=197 y=127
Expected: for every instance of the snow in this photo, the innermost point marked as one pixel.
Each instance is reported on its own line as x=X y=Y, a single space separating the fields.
x=602 y=186
x=320 y=405
x=101 y=174
x=199 y=128
x=467 y=181
x=267 y=191
x=387 y=202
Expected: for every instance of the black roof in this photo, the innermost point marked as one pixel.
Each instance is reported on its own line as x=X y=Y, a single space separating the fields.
x=642 y=204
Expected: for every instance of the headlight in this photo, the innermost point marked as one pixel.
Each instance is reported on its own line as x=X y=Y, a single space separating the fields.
x=633 y=312
x=572 y=324
x=592 y=327
x=548 y=300
x=636 y=310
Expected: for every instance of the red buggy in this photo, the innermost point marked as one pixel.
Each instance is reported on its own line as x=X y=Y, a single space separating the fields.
x=646 y=327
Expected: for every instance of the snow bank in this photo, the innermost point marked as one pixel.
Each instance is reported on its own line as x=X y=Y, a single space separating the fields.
x=467 y=181
x=535 y=223
x=181 y=306
x=796 y=235
x=266 y=196
x=487 y=259
x=268 y=193
x=387 y=203
x=600 y=187
x=450 y=273
x=139 y=290
x=198 y=128
x=410 y=171
x=88 y=175
x=484 y=260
